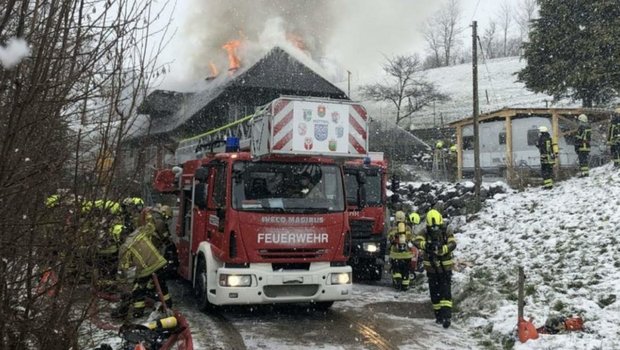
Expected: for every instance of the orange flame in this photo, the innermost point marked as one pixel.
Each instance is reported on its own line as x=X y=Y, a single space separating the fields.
x=231 y=49
x=214 y=71
x=297 y=41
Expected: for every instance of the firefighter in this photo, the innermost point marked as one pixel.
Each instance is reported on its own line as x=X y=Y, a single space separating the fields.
x=437 y=243
x=613 y=138
x=582 y=145
x=132 y=209
x=162 y=240
x=107 y=219
x=400 y=241
x=547 y=156
x=452 y=164
x=417 y=259
x=138 y=260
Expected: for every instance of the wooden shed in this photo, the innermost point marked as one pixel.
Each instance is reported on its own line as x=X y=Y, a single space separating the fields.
x=505 y=157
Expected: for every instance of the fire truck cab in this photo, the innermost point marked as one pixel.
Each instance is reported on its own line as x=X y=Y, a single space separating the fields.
x=365 y=182
x=269 y=224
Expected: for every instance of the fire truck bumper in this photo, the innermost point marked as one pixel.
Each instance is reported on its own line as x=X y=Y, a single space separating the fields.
x=260 y=284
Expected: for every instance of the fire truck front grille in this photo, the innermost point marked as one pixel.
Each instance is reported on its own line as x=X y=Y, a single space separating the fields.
x=361 y=228
x=302 y=290
x=299 y=253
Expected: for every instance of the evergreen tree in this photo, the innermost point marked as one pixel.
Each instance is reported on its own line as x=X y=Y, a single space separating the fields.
x=574 y=51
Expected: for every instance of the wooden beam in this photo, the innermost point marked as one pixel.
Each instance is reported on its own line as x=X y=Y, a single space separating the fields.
x=459 y=153
x=555 y=126
x=509 y=159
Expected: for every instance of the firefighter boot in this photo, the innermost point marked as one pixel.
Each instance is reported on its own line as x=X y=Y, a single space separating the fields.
x=446 y=323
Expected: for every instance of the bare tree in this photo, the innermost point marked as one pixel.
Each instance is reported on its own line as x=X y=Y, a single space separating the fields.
x=63 y=112
x=505 y=19
x=526 y=11
x=404 y=88
x=488 y=40
x=431 y=35
x=441 y=31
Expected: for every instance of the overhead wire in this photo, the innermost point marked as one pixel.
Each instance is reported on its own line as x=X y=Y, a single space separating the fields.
x=484 y=61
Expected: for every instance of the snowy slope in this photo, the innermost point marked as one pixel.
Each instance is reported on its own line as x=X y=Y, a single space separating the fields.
x=566 y=240
x=497 y=88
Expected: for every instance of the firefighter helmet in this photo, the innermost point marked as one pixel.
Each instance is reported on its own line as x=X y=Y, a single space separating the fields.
x=52 y=201
x=583 y=118
x=543 y=128
x=399 y=216
x=166 y=211
x=439 y=144
x=135 y=202
x=434 y=218
x=414 y=218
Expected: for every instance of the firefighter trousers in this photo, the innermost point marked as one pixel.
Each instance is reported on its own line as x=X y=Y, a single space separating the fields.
x=439 y=285
x=615 y=154
x=143 y=288
x=400 y=273
x=584 y=163
x=546 y=170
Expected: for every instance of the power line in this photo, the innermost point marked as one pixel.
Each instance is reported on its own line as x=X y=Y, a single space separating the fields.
x=484 y=61
x=475 y=9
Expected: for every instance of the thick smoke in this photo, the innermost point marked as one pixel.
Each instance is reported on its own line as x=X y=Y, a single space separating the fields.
x=340 y=35
x=259 y=23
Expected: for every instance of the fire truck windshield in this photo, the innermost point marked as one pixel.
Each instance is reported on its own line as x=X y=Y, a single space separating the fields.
x=287 y=187
x=372 y=185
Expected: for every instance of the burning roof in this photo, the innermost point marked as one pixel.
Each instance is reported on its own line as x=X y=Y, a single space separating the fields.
x=277 y=73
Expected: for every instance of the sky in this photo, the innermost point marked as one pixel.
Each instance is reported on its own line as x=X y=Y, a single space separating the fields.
x=348 y=35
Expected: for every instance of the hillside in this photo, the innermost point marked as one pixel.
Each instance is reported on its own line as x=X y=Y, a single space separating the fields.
x=566 y=240
x=497 y=88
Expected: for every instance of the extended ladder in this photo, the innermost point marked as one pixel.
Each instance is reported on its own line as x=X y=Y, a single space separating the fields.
x=214 y=140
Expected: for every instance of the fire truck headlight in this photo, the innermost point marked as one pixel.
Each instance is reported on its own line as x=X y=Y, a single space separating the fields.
x=341 y=278
x=371 y=247
x=235 y=280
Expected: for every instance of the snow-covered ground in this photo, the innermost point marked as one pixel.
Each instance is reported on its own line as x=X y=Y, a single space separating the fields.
x=566 y=240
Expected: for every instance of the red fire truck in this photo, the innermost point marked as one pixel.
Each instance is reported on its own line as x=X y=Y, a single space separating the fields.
x=264 y=220
x=365 y=182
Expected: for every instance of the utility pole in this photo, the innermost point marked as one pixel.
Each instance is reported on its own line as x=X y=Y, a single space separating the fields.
x=477 y=173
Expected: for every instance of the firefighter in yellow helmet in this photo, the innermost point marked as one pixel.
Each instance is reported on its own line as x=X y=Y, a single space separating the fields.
x=547 y=156
x=132 y=210
x=582 y=145
x=138 y=260
x=400 y=243
x=437 y=243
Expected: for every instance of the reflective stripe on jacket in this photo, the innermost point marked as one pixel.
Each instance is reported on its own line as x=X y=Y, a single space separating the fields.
x=583 y=137
x=138 y=251
x=442 y=261
x=398 y=249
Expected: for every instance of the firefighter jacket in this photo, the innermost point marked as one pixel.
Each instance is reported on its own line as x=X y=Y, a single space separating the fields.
x=399 y=243
x=583 y=137
x=545 y=147
x=613 y=134
x=436 y=249
x=138 y=251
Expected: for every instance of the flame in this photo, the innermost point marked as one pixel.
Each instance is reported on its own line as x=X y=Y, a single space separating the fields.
x=297 y=41
x=231 y=49
x=214 y=71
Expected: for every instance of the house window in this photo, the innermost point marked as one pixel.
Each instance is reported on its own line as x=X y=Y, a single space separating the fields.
x=502 y=138
x=468 y=143
x=532 y=137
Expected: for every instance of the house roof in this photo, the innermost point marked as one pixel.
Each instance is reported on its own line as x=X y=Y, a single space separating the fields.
x=277 y=73
x=594 y=114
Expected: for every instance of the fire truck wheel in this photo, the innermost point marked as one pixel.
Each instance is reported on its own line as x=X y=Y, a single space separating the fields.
x=201 y=288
